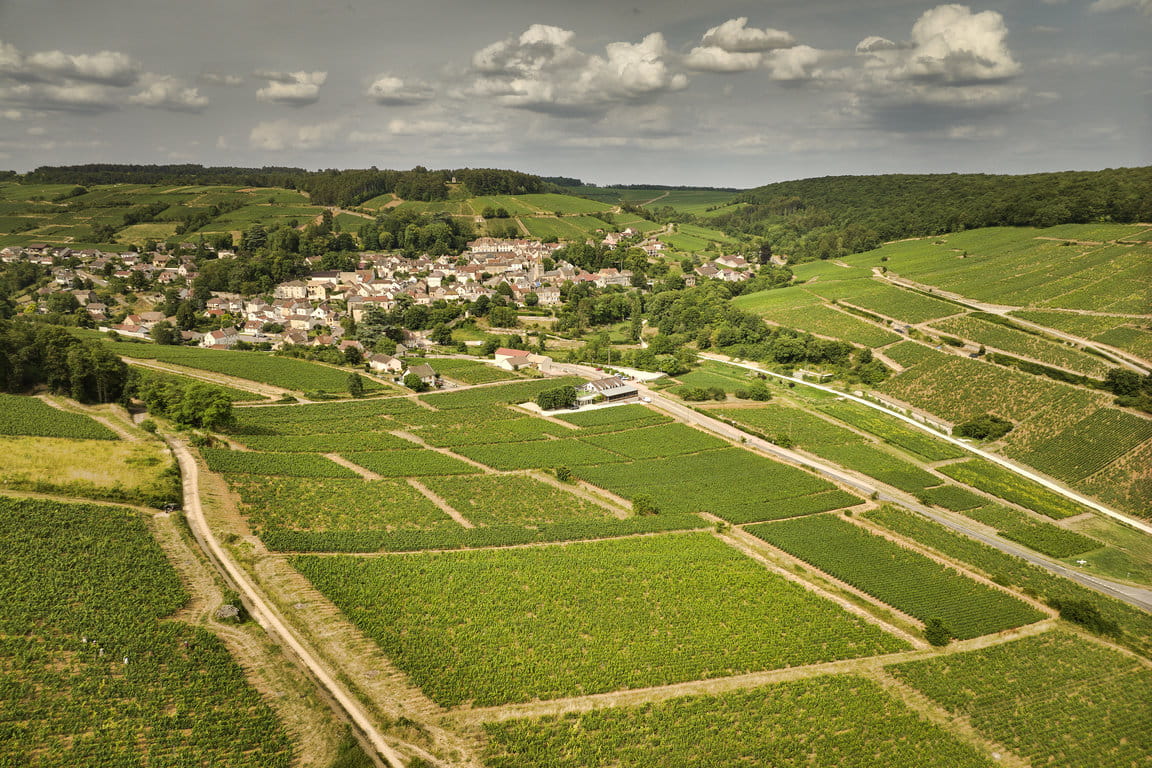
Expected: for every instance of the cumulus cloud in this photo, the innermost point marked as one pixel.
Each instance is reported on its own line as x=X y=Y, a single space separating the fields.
x=281 y=135
x=55 y=80
x=735 y=35
x=956 y=66
x=795 y=64
x=541 y=70
x=165 y=92
x=1104 y=6
x=65 y=97
x=296 y=89
x=105 y=67
x=214 y=78
x=395 y=91
x=735 y=47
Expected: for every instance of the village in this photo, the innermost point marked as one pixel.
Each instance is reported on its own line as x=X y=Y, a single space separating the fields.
x=316 y=310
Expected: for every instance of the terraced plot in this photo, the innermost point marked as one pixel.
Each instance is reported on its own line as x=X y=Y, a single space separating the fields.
x=506 y=394
x=22 y=415
x=732 y=483
x=1090 y=444
x=994 y=479
x=1134 y=625
x=275 y=504
x=614 y=419
x=540 y=454
x=1036 y=534
x=657 y=441
x=824 y=722
x=490 y=500
x=285 y=372
x=500 y=626
x=470 y=371
x=410 y=463
x=906 y=580
x=893 y=431
x=1015 y=342
x=279 y=464
x=1054 y=699
x=94 y=673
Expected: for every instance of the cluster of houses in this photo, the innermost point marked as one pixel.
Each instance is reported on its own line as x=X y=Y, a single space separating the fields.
x=309 y=311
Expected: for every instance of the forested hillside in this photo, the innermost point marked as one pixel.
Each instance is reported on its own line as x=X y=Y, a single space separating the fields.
x=328 y=187
x=836 y=215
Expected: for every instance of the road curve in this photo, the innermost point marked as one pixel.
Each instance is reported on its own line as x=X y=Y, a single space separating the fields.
x=263 y=612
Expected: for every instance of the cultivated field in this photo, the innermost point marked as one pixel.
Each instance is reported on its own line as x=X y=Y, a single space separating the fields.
x=95 y=672
x=512 y=625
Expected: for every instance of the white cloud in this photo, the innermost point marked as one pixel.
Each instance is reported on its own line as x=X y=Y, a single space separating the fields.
x=736 y=36
x=794 y=64
x=293 y=88
x=215 y=78
x=956 y=67
x=395 y=91
x=950 y=45
x=67 y=97
x=281 y=135
x=165 y=92
x=735 y=47
x=1104 y=6
x=105 y=67
x=710 y=58
x=542 y=71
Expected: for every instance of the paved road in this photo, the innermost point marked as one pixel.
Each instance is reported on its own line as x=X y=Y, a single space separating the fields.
x=263 y=612
x=1136 y=596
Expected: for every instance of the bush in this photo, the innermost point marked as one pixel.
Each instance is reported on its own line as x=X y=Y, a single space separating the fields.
x=564 y=474
x=936 y=633
x=1085 y=614
x=553 y=399
x=986 y=427
x=644 y=506
x=148 y=426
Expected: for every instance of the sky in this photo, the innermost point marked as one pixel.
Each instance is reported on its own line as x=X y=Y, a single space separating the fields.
x=731 y=93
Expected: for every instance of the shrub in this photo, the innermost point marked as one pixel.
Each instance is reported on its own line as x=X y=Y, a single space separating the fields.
x=986 y=427
x=936 y=633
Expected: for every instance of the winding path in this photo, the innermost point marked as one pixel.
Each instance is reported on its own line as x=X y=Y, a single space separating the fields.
x=263 y=612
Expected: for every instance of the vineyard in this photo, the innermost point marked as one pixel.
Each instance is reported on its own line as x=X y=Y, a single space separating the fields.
x=885 y=299
x=614 y=419
x=656 y=442
x=22 y=415
x=282 y=464
x=954 y=497
x=410 y=463
x=509 y=625
x=507 y=394
x=906 y=580
x=455 y=537
x=880 y=464
x=325 y=418
x=490 y=500
x=286 y=372
x=541 y=454
x=93 y=673
x=892 y=431
x=333 y=442
x=1091 y=444
x=1055 y=699
x=275 y=504
x=823 y=722
x=470 y=371
x=1040 y=536
x=1012 y=266
x=1136 y=625
x=1029 y=345
x=994 y=479
x=731 y=483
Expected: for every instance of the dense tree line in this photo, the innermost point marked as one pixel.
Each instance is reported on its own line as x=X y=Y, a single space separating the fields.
x=326 y=187
x=35 y=354
x=833 y=216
